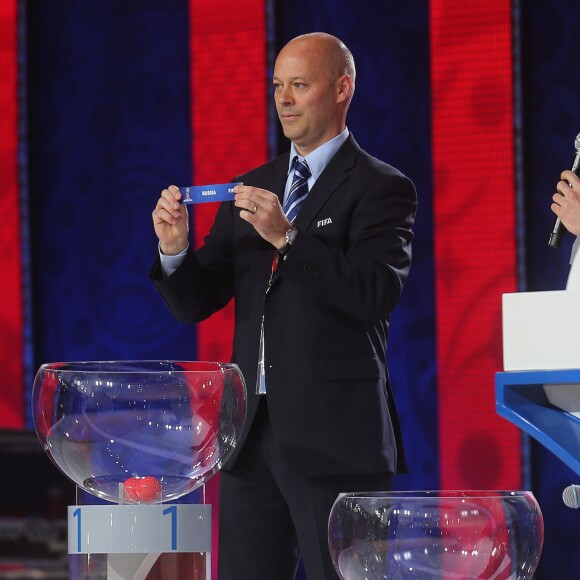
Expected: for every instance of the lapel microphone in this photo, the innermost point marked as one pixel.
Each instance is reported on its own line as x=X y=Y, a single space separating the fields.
x=560 y=230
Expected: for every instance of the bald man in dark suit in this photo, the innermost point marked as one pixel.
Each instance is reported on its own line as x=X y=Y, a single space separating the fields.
x=313 y=298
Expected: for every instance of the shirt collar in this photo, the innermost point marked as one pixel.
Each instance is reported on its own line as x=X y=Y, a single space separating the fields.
x=319 y=158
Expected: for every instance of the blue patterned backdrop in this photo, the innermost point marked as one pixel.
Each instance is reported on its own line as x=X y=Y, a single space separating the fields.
x=109 y=127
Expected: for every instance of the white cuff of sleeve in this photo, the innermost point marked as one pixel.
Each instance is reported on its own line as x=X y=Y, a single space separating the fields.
x=575 y=247
x=170 y=263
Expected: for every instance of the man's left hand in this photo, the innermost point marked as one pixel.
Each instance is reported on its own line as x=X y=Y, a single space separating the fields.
x=262 y=209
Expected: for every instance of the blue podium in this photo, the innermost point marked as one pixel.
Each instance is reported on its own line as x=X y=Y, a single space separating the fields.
x=539 y=390
x=526 y=398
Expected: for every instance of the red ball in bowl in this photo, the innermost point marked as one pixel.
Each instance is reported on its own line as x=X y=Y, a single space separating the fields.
x=143 y=489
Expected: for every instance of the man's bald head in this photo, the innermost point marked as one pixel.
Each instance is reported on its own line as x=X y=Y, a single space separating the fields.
x=335 y=52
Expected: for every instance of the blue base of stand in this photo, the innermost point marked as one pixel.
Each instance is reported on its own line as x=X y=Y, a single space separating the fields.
x=520 y=399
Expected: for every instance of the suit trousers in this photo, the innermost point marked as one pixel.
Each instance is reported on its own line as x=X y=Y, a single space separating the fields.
x=271 y=515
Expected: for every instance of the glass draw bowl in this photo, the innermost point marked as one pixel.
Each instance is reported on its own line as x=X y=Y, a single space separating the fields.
x=139 y=431
x=436 y=534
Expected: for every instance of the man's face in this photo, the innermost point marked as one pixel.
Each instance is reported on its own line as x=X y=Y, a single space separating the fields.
x=306 y=95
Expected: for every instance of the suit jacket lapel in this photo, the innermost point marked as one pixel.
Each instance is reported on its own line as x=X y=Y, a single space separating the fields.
x=335 y=173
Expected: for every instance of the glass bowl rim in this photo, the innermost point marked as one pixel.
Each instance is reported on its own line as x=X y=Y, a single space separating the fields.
x=436 y=494
x=91 y=366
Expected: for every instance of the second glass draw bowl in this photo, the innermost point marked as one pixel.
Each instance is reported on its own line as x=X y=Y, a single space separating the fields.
x=435 y=534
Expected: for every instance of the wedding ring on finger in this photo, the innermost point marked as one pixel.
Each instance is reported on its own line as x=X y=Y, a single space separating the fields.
x=256 y=206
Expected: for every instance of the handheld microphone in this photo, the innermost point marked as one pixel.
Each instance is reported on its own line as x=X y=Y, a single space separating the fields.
x=571 y=496
x=560 y=230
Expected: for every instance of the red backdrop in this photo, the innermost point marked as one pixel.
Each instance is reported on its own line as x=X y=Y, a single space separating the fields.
x=229 y=118
x=475 y=243
x=11 y=327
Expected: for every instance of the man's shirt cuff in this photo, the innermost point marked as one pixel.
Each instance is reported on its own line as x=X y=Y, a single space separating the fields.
x=170 y=263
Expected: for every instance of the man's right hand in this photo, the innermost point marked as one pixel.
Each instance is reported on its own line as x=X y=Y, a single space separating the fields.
x=171 y=222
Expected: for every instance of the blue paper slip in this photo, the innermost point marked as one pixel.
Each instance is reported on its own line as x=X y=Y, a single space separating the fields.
x=206 y=193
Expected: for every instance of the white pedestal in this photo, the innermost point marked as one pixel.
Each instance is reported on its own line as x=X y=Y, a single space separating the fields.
x=541 y=330
x=133 y=537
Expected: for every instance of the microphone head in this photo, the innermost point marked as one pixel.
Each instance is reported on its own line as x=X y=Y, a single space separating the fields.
x=570 y=496
x=577 y=142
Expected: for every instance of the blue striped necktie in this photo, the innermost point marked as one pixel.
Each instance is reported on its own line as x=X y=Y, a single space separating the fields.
x=298 y=190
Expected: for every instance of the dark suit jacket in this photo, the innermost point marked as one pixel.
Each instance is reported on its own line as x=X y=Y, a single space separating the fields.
x=326 y=316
